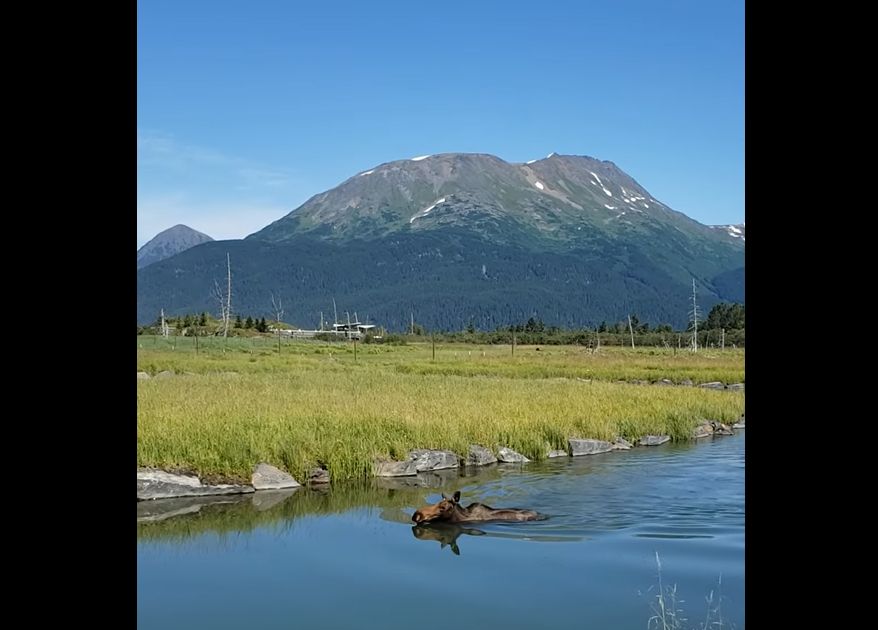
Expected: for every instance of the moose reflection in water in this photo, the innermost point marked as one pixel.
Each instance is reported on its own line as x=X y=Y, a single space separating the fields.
x=446 y=534
x=449 y=510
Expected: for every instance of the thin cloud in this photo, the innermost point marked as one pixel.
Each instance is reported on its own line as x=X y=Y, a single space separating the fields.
x=157 y=148
x=221 y=195
x=264 y=178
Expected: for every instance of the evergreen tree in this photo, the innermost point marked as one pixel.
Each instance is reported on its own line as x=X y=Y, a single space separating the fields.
x=249 y=322
x=728 y=316
x=238 y=322
x=203 y=320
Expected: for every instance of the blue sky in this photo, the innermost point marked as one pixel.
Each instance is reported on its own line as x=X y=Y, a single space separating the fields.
x=247 y=109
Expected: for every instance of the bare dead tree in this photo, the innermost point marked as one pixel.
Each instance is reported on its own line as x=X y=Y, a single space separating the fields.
x=225 y=298
x=277 y=306
x=164 y=325
x=220 y=296
x=693 y=317
x=631 y=330
x=228 y=296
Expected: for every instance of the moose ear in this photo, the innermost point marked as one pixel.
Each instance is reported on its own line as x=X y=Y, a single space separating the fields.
x=446 y=497
x=457 y=496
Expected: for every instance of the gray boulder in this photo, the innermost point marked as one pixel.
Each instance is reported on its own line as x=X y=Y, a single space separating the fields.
x=713 y=385
x=721 y=429
x=705 y=429
x=159 y=484
x=426 y=459
x=164 y=374
x=588 y=447
x=395 y=469
x=318 y=476
x=267 y=477
x=552 y=454
x=621 y=444
x=142 y=376
x=480 y=456
x=508 y=456
x=737 y=386
x=654 y=440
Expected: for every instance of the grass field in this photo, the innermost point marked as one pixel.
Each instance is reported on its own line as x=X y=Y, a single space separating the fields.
x=232 y=405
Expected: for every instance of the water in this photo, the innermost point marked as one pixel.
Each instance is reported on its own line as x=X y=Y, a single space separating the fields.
x=350 y=558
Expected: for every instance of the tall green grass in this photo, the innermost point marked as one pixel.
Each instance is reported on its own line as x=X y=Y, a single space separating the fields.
x=305 y=408
x=610 y=364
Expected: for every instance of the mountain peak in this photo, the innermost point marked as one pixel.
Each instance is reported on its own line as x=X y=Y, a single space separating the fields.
x=560 y=201
x=169 y=242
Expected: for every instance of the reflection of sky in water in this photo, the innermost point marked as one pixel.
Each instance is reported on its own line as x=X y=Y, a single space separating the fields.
x=351 y=558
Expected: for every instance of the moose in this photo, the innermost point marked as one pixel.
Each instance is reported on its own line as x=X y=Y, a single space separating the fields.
x=449 y=510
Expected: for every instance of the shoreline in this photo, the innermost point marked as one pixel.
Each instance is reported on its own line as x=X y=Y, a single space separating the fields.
x=156 y=484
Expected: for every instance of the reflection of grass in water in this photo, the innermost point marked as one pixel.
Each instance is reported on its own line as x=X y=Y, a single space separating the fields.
x=241 y=513
x=242 y=516
x=669 y=614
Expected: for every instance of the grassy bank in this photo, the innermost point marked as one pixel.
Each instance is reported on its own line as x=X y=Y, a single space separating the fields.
x=313 y=404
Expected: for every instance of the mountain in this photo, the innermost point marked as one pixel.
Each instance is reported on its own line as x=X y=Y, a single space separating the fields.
x=172 y=241
x=459 y=238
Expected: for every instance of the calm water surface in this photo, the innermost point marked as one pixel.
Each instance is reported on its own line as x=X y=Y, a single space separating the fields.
x=350 y=558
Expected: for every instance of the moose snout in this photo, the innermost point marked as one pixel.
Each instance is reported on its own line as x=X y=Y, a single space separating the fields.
x=417 y=517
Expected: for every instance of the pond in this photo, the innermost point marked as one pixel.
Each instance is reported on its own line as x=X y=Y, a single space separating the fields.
x=349 y=557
